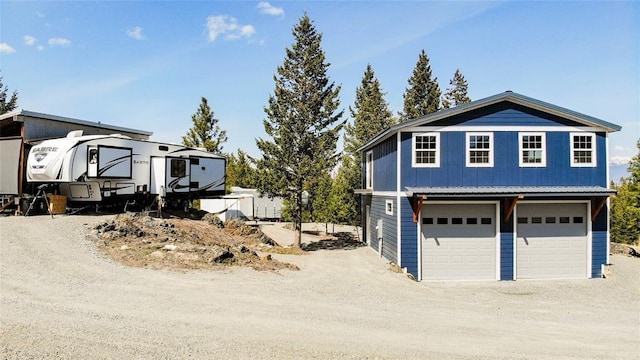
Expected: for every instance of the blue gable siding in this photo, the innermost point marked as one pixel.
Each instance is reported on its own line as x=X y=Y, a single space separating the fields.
x=384 y=165
x=505 y=114
x=506 y=170
x=389 y=227
x=409 y=243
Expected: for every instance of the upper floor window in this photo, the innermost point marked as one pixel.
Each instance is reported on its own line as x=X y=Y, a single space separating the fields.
x=426 y=150
x=533 y=149
x=583 y=149
x=369 y=170
x=479 y=149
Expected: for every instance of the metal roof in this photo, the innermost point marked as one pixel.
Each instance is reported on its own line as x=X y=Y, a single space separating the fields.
x=509 y=96
x=16 y=114
x=507 y=191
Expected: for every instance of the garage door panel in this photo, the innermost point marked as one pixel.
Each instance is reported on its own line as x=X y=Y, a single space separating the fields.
x=551 y=241
x=458 y=248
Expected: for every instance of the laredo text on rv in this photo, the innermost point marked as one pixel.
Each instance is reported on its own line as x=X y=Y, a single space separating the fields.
x=116 y=168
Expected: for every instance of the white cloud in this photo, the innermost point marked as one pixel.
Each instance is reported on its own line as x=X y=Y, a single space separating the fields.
x=60 y=42
x=29 y=40
x=136 y=33
x=40 y=47
x=227 y=25
x=39 y=14
x=6 y=49
x=620 y=160
x=268 y=9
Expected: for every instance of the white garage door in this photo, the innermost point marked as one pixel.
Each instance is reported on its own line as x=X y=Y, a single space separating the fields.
x=551 y=241
x=459 y=242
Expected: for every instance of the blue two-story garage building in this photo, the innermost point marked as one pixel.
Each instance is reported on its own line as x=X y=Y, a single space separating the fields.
x=503 y=188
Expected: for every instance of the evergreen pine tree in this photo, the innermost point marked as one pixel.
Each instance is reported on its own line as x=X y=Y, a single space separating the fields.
x=457 y=92
x=371 y=115
x=240 y=171
x=206 y=132
x=422 y=97
x=302 y=121
x=343 y=205
x=625 y=207
x=7 y=105
x=320 y=205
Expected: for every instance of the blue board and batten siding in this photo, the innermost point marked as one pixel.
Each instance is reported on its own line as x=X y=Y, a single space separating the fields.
x=506 y=170
x=599 y=242
x=384 y=165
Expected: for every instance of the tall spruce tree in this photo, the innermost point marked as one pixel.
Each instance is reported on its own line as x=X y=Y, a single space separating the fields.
x=456 y=94
x=371 y=115
x=303 y=122
x=625 y=207
x=206 y=132
x=240 y=171
x=422 y=97
x=7 y=105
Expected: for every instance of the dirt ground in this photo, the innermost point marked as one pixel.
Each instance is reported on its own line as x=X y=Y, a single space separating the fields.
x=61 y=298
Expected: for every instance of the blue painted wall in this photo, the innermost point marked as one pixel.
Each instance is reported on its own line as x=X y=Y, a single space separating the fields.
x=389 y=227
x=409 y=243
x=506 y=256
x=506 y=170
x=384 y=165
x=599 y=252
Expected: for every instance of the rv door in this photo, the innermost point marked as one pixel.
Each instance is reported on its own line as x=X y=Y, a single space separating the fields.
x=177 y=175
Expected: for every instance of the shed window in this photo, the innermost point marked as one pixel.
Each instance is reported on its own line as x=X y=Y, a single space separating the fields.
x=427 y=221
x=523 y=220
x=388 y=209
x=443 y=221
x=456 y=221
x=426 y=150
x=583 y=149
x=564 y=219
x=485 y=221
x=479 y=149
x=532 y=150
x=472 y=221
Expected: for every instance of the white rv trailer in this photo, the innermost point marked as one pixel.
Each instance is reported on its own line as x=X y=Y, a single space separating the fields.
x=102 y=168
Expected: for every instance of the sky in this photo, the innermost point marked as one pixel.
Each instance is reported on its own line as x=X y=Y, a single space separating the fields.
x=147 y=64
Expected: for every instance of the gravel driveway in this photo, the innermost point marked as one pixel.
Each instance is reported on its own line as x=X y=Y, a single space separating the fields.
x=60 y=299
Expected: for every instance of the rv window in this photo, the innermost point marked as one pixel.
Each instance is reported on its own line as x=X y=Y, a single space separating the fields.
x=163 y=148
x=195 y=161
x=178 y=168
x=93 y=156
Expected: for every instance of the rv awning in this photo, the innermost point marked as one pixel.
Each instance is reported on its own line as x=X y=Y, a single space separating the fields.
x=510 y=191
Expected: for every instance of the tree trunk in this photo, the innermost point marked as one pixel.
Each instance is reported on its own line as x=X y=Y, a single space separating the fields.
x=298 y=219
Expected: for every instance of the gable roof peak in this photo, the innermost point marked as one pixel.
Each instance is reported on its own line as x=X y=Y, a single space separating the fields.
x=509 y=96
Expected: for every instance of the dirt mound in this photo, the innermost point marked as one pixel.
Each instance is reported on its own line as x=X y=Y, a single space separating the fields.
x=138 y=240
x=617 y=248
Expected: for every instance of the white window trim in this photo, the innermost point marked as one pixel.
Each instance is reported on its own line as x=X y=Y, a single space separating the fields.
x=468 y=149
x=594 y=160
x=437 y=150
x=388 y=207
x=368 y=169
x=543 y=140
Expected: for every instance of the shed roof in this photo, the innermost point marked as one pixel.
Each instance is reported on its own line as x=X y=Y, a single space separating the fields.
x=508 y=96
x=19 y=115
x=509 y=191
